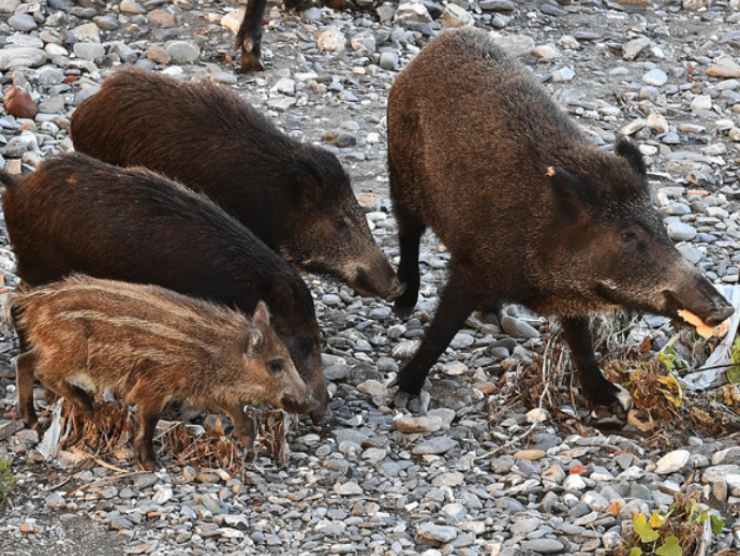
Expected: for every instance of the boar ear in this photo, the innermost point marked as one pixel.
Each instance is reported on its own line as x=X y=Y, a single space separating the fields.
x=569 y=191
x=631 y=153
x=261 y=318
x=254 y=341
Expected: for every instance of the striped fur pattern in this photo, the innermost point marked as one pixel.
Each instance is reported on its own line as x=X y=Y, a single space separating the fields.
x=149 y=345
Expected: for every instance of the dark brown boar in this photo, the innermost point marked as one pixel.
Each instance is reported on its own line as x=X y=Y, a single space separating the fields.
x=530 y=211
x=295 y=197
x=78 y=214
x=149 y=346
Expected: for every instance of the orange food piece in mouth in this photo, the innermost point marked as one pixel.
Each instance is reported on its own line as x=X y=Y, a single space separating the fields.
x=704 y=330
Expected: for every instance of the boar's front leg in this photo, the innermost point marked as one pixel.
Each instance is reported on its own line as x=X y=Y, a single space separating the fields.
x=149 y=404
x=457 y=302
x=249 y=37
x=597 y=389
x=24 y=375
x=410 y=230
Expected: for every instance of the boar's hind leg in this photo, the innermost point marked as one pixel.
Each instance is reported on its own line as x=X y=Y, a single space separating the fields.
x=410 y=230
x=597 y=389
x=455 y=306
x=249 y=37
x=24 y=375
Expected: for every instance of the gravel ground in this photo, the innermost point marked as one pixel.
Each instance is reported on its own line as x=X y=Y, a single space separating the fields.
x=485 y=471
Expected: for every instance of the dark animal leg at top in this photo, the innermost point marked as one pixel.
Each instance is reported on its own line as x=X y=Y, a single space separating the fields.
x=597 y=389
x=249 y=37
x=455 y=306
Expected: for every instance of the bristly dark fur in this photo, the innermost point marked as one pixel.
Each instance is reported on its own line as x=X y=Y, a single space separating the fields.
x=296 y=197
x=530 y=211
x=77 y=214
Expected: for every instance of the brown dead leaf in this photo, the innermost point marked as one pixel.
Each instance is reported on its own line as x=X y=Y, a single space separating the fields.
x=615 y=507
x=641 y=420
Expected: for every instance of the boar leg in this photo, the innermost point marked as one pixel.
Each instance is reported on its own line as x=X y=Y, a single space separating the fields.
x=24 y=375
x=597 y=389
x=243 y=427
x=410 y=230
x=249 y=37
x=455 y=306
x=143 y=443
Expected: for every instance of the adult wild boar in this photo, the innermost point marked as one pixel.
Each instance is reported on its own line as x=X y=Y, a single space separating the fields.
x=149 y=345
x=295 y=197
x=530 y=211
x=78 y=214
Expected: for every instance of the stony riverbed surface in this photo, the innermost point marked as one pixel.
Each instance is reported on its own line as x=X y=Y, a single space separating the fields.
x=367 y=481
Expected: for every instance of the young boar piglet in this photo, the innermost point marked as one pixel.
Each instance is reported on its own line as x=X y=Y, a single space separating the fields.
x=295 y=197
x=149 y=345
x=78 y=214
x=530 y=211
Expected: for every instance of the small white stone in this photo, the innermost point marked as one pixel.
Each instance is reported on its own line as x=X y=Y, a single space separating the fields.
x=657 y=122
x=350 y=488
x=537 y=415
x=574 y=483
x=701 y=103
x=672 y=462
x=331 y=39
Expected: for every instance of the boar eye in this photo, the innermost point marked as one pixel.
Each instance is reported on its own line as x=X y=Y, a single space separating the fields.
x=276 y=366
x=629 y=236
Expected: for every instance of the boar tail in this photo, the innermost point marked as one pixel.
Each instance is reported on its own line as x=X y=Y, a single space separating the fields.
x=6 y=179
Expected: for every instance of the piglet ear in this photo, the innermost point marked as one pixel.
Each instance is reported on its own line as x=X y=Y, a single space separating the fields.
x=261 y=316
x=254 y=341
x=631 y=153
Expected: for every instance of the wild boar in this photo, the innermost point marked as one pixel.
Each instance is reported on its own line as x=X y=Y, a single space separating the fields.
x=149 y=345
x=530 y=211
x=295 y=197
x=78 y=214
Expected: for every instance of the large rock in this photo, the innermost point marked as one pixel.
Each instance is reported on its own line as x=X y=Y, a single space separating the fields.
x=9 y=6
x=431 y=533
x=724 y=67
x=87 y=32
x=12 y=58
x=513 y=44
x=331 y=39
x=233 y=20
x=19 y=103
x=182 y=52
x=672 y=462
x=412 y=14
x=455 y=16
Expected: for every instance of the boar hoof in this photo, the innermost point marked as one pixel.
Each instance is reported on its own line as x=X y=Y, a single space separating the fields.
x=250 y=60
x=420 y=404
x=401 y=400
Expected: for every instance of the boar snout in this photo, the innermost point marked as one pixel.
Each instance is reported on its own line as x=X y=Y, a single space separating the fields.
x=376 y=279
x=696 y=294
